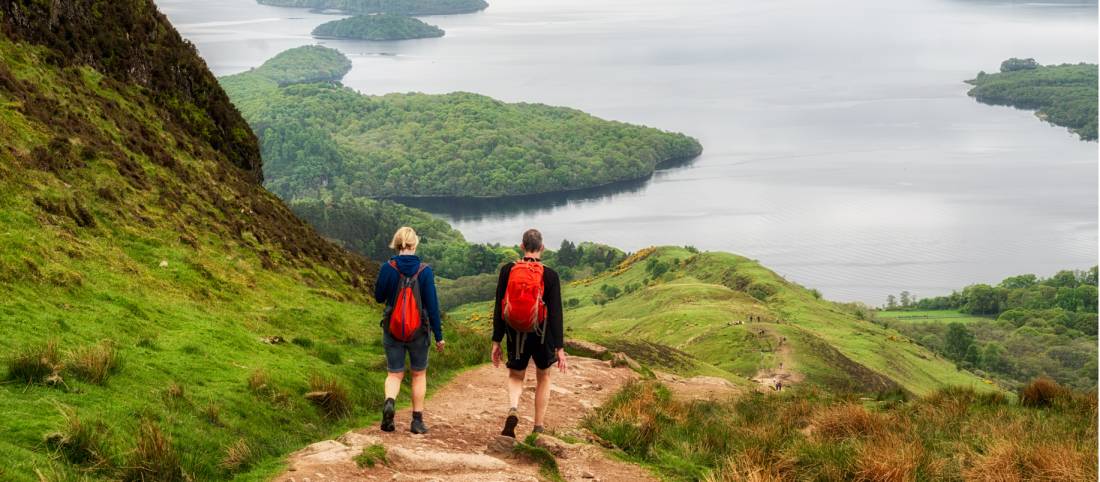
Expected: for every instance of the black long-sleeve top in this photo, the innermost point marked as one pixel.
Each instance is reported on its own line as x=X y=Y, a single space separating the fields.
x=555 y=336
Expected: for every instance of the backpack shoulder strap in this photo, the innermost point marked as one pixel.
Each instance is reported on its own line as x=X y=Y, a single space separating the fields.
x=420 y=269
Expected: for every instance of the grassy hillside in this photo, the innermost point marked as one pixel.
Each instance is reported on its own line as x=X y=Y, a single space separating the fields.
x=691 y=302
x=950 y=434
x=163 y=314
x=1064 y=95
x=326 y=141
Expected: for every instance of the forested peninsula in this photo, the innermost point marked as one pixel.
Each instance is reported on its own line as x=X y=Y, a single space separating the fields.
x=322 y=140
x=383 y=26
x=400 y=7
x=1064 y=95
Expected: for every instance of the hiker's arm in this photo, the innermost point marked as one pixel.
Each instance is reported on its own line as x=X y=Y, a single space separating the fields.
x=382 y=287
x=554 y=315
x=431 y=302
x=498 y=319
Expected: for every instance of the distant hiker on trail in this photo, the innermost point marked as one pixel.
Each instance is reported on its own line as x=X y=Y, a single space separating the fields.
x=407 y=287
x=528 y=312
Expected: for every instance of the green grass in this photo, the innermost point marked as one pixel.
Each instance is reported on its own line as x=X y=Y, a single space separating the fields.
x=691 y=308
x=371 y=456
x=157 y=298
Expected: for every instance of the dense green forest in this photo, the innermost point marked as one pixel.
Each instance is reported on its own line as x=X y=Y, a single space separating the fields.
x=383 y=26
x=402 y=7
x=1022 y=328
x=1064 y=95
x=321 y=140
x=311 y=63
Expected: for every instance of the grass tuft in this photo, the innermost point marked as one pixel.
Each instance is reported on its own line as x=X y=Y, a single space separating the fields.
x=154 y=458
x=212 y=413
x=329 y=354
x=371 y=456
x=96 y=363
x=238 y=456
x=1042 y=392
x=846 y=421
x=35 y=364
x=548 y=465
x=302 y=342
x=330 y=396
x=82 y=443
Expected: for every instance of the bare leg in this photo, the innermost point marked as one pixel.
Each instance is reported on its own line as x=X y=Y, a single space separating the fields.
x=393 y=384
x=542 y=396
x=515 y=386
x=419 y=388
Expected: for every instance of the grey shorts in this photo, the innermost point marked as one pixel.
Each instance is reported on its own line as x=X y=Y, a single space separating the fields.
x=417 y=351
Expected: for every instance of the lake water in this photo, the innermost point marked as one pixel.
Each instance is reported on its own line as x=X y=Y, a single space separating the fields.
x=841 y=148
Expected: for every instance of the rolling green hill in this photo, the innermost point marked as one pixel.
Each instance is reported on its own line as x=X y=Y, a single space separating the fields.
x=691 y=302
x=1064 y=95
x=401 y=7
x=381 y=26
x=163 y=314
x=323 y=140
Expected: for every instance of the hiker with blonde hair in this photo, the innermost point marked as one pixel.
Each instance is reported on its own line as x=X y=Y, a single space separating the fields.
x=528 y=313
x=407 y=287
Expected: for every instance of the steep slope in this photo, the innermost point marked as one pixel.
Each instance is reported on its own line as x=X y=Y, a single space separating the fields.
x=732 y=313
x=142 y=265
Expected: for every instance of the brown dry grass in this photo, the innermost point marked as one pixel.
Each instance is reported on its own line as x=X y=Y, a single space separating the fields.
x=846 y=421
x=1043 y=392
x=95 y=363
x=753 y=465
x=154 y=457
x=889 y=458
x=330 y=396
x=238 y=456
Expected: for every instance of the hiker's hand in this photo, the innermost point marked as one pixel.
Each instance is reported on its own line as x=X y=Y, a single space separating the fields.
x=563 y=365
x=439 y=345
x=498 y=354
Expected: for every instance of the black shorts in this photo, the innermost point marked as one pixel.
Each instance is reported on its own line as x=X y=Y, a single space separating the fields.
x=545 y=356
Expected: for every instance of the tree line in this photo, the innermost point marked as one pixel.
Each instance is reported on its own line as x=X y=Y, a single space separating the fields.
x=1064 y=95
x=1031 y=327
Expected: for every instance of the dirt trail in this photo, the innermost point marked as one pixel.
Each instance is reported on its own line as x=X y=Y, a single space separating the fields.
x=781 y=376
x=465 y=418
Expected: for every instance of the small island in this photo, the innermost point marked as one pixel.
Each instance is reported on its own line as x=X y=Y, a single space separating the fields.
x=1064 y=95
x=382 y=26
x=400 y=7
x=323 y=139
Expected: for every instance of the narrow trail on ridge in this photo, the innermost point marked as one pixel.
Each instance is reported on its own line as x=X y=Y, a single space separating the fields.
x=782 y=375
x=465 y=418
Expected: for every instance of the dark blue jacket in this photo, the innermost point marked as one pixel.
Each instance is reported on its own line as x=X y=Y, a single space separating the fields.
x=385 y=289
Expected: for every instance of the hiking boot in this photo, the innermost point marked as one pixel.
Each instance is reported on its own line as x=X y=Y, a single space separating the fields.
x=510 y=426
x=418 y=426
x=537 y=429
x=387 y=416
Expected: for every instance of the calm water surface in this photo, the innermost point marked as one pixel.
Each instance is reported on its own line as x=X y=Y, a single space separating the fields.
x=841 y=149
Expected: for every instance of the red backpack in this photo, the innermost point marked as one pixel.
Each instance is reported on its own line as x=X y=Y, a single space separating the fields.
x=406 y=317
x=523 y=308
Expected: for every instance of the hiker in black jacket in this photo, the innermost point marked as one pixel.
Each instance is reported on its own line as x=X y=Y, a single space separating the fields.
x=544 y=342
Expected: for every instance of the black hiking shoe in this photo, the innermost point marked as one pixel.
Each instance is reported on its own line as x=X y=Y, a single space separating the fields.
x=510 y=426
x=387 y=416
x=537 y=429
x=418 y=426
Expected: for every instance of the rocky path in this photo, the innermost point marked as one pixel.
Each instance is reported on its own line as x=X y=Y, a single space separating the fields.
x=783 y=375
x=465 y=418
